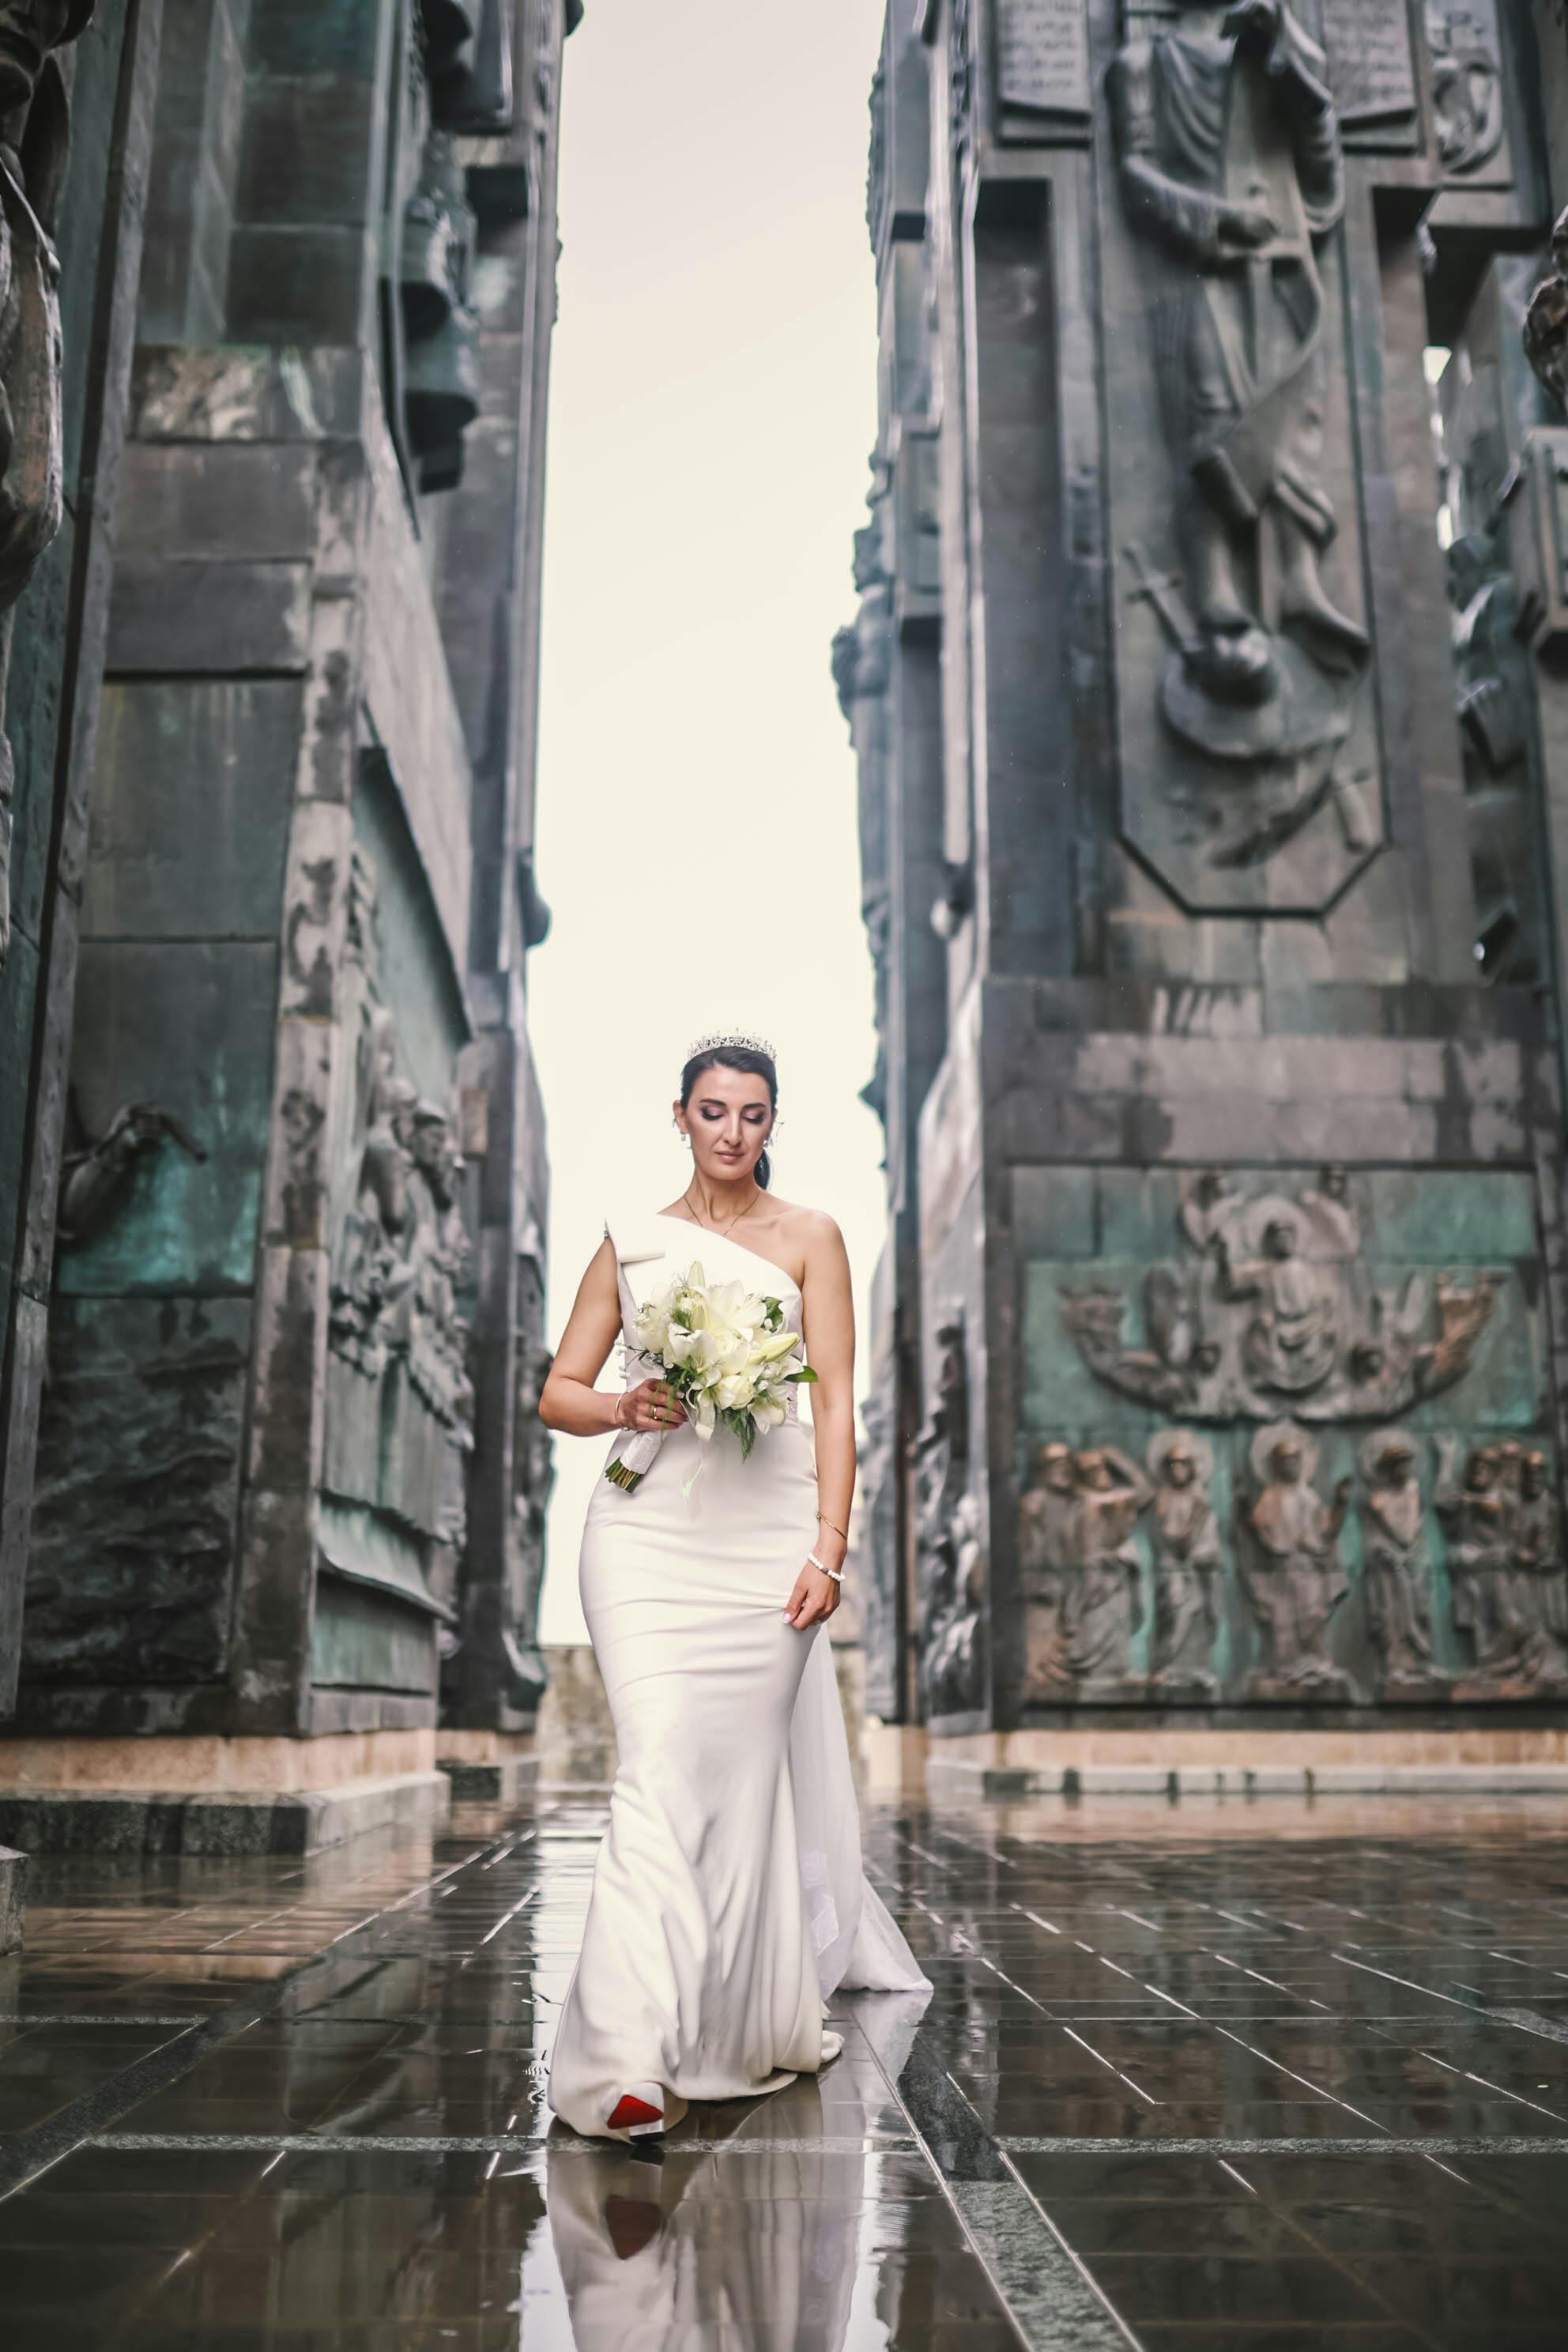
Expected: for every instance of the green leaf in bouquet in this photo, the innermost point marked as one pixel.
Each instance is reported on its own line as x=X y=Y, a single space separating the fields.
x=805 y=1373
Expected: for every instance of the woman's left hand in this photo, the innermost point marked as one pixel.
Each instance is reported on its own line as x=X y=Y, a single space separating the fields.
x=816 y=1596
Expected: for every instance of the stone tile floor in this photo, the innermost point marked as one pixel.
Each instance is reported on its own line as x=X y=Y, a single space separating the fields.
x=1217 y=2079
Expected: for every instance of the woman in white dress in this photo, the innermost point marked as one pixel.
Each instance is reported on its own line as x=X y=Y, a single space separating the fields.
x=728 y=1898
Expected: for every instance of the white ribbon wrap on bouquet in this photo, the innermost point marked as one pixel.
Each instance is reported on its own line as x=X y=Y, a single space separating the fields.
x=639 y=1264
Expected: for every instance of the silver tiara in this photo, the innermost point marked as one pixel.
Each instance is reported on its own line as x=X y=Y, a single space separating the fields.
x=731 y=1037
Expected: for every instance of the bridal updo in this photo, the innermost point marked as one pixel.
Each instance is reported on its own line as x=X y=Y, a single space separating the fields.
x=754 y=1064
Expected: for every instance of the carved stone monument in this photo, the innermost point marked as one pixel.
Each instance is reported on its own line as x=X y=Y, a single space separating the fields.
x=1242 y=1155
x=32 y=180
x=75 y=122
x=1231 y=166
x=291 y=1483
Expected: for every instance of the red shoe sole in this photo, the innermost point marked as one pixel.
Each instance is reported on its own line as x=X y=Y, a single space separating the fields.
x=629 y=2111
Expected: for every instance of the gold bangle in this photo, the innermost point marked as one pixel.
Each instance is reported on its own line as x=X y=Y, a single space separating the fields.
x=828 y=1523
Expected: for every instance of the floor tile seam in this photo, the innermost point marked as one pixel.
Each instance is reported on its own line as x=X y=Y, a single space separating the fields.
x=945 y=2187
x=478 y=2144
x=26 y=2155
x=1014 y=2292
x=1341 y=2264
x=34 y=2019
x=1010 y=2144
x=1050 y=2295
x=1526 y=2021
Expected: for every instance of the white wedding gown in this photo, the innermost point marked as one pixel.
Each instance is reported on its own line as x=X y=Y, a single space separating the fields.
x=728 y=1898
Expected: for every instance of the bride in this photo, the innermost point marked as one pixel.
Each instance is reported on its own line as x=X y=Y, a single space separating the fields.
x=728 y=1898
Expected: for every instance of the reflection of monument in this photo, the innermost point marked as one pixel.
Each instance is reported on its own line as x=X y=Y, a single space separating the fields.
x=1294 y=1576
x=1231 y=162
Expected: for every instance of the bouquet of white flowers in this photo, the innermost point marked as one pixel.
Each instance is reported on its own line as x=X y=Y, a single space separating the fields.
x=728 y=1355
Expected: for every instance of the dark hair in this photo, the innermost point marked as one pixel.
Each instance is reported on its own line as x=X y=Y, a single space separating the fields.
x=753 y=1066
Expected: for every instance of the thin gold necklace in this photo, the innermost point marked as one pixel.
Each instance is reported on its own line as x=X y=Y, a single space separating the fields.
x=720 y=1230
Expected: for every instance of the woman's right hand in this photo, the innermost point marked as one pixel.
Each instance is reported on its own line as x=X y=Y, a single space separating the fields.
x=652 y=1405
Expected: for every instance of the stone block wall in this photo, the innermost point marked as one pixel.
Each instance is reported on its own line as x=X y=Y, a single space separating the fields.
x=89 y=161
x=290 y=1461
x=1238 y=1292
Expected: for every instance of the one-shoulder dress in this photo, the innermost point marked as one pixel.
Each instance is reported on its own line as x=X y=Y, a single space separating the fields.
x=728 y=1899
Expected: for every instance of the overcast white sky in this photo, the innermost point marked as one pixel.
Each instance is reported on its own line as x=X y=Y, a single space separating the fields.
x=713 y=408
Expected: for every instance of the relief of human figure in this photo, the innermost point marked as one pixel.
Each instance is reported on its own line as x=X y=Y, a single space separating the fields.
x=952 y=1665
x=1101 y=1610
x=1046 y=1514
x=1230 y=158
x=1506 y=1567
x=1396 y=1558
x=1541 y=1572
x=1185 y=1534
x=1477 y=1515
x=1292 y=1340
x=1293 y=1574
x=375 y=1269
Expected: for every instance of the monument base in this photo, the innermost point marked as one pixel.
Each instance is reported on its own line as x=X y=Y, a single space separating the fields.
x=1172 y=1761
x=216 y=1796
x=488 y=1768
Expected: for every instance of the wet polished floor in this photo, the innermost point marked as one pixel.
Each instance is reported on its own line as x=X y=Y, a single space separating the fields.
x=1225 y=2080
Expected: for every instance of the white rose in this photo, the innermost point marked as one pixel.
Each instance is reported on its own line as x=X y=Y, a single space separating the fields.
x=653 y=1331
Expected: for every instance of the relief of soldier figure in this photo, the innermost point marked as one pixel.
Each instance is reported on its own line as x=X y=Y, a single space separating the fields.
x=951 y=1552
x=1232 y=167
x=401 y=1408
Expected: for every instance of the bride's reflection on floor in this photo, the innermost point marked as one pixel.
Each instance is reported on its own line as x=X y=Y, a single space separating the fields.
x=676 y=2244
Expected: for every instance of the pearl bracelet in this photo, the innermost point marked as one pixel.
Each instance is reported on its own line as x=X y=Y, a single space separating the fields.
x=836 y=1573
